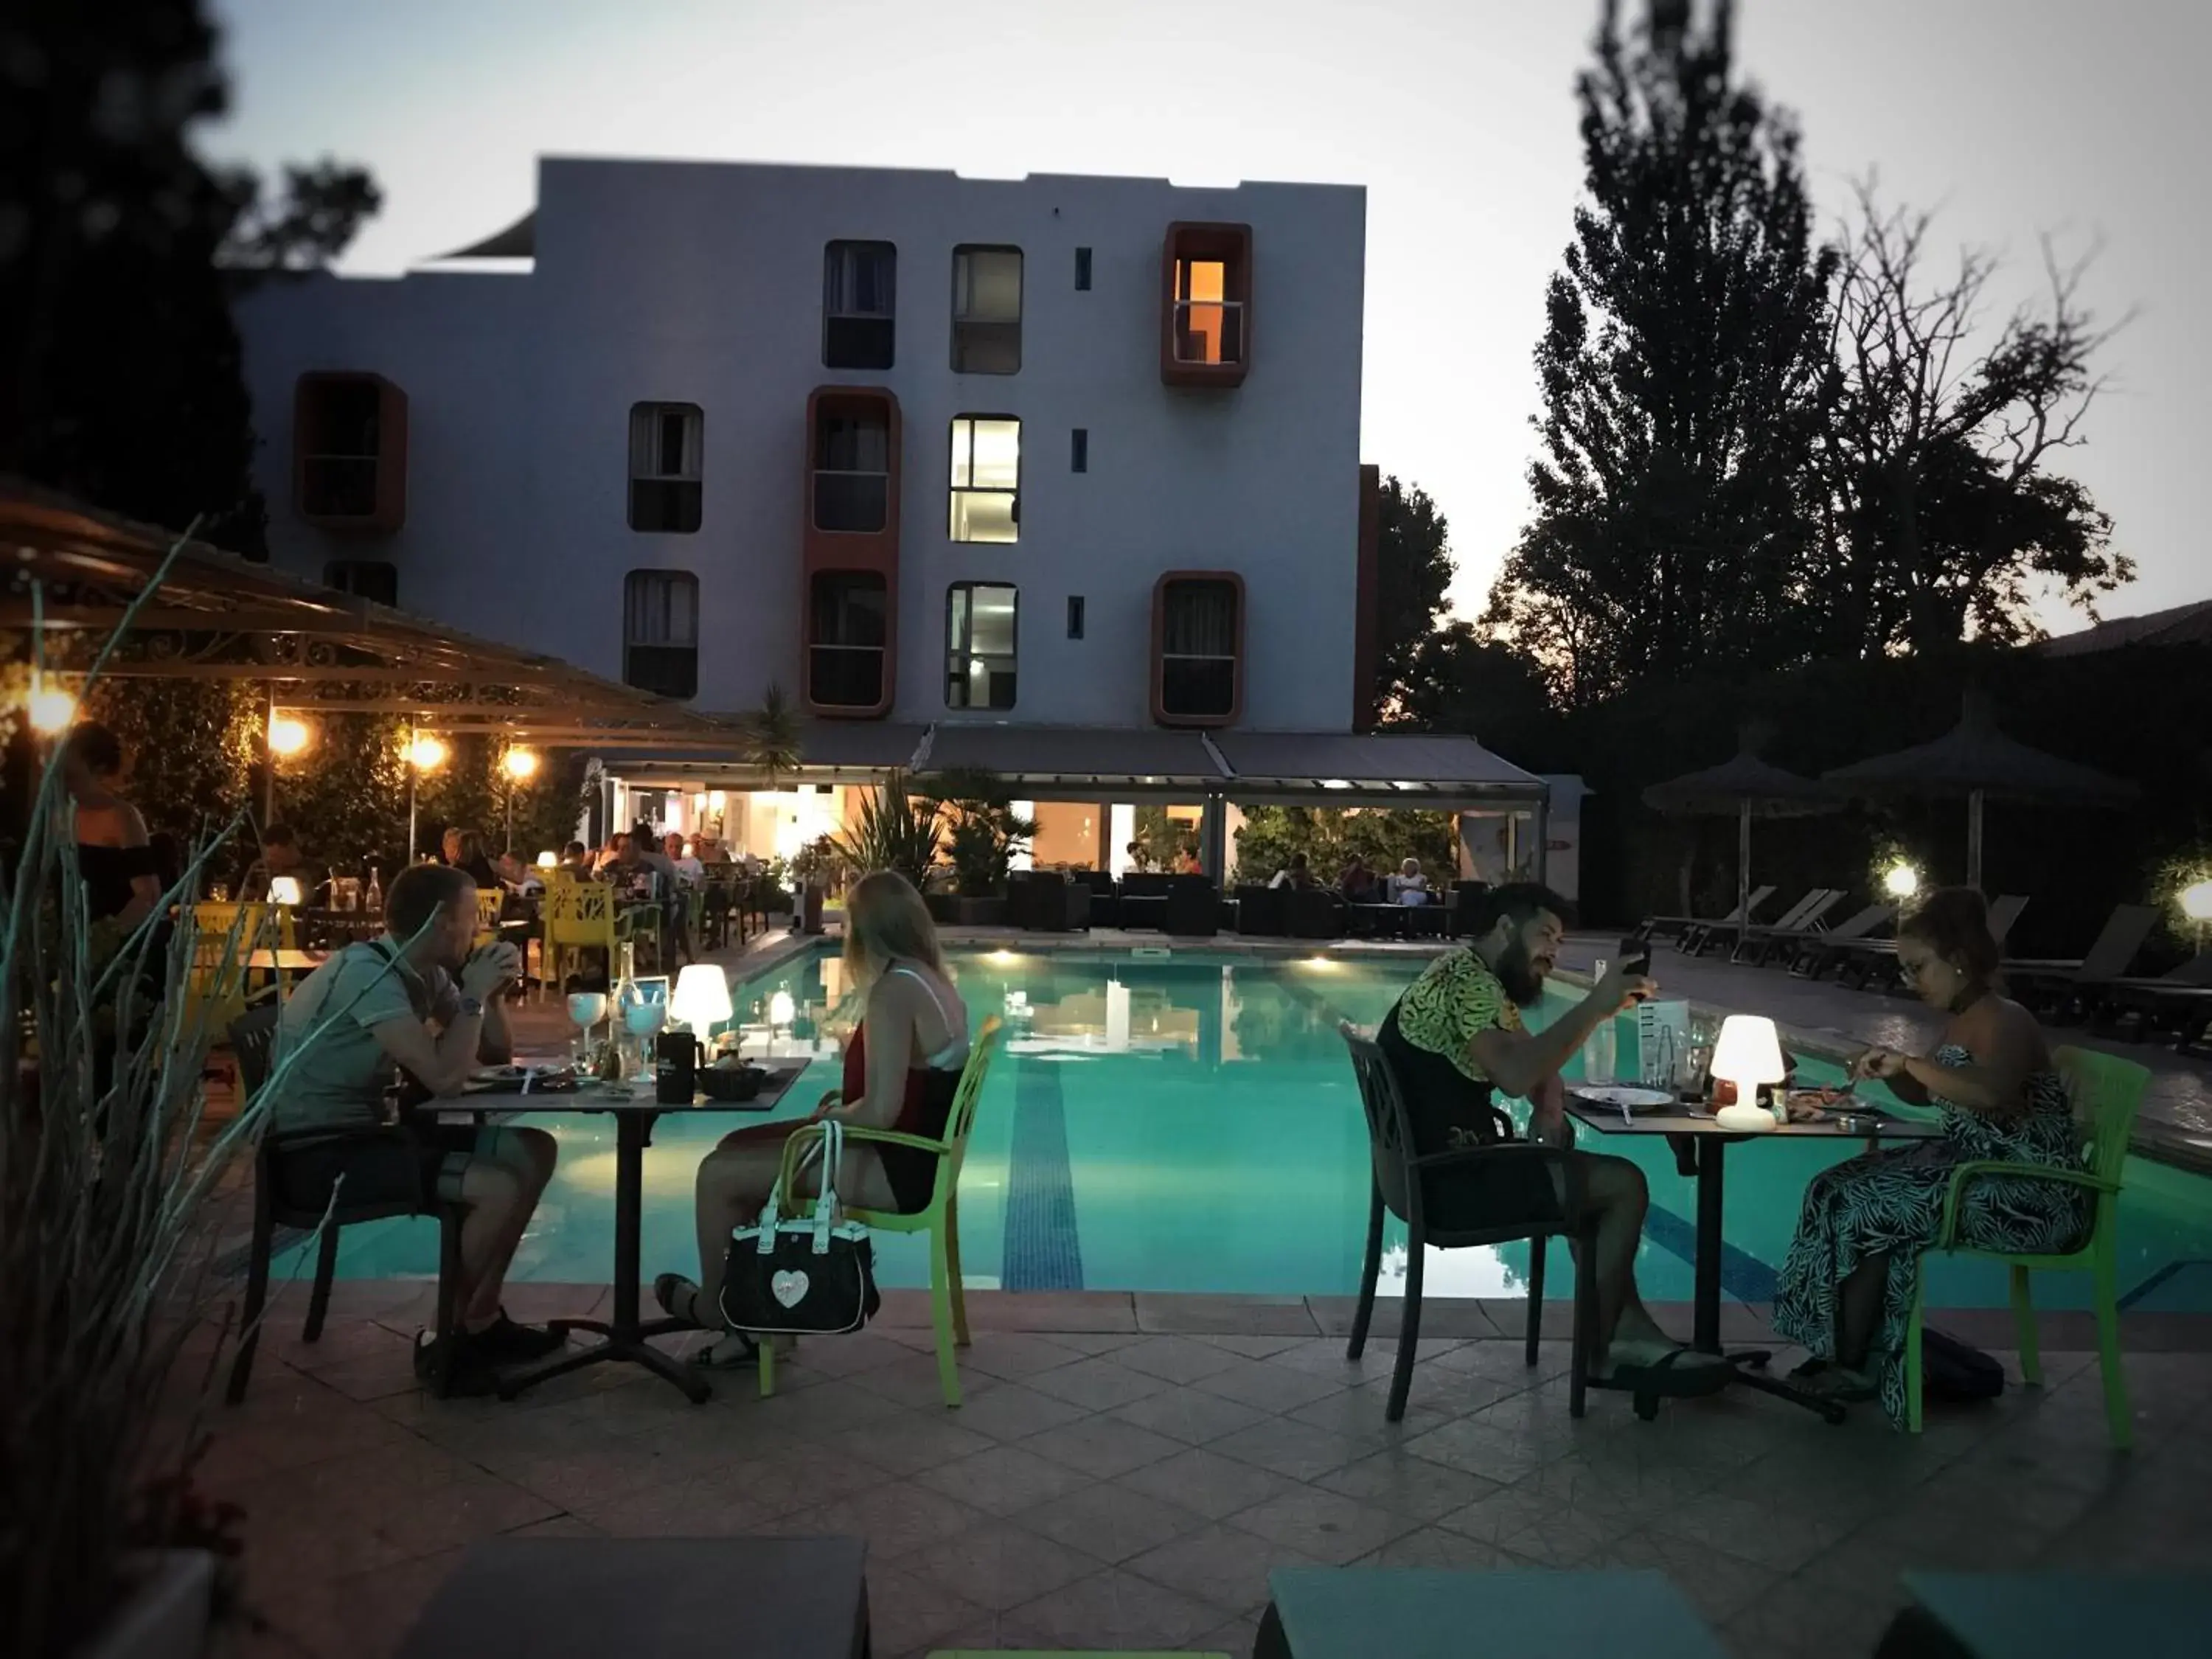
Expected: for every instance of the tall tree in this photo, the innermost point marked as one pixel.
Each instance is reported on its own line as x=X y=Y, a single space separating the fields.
x=1459 y=681
x=1682 y=351
x=1413 y=571
x=1940 y=519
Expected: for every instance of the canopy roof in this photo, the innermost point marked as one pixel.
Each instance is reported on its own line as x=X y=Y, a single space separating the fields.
x=1975 y=758
x=208 y=614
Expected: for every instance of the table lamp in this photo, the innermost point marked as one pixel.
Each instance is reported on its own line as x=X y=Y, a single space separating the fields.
x=547 y=859
x=284 y=890
x=701 y=997
x=1749 y=1053
x=781 y=1010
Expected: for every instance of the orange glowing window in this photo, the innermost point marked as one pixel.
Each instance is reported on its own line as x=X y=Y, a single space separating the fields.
x=1206 y=322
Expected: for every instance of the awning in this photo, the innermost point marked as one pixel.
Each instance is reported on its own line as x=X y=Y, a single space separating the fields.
x=1127 y=760
x=213 y=616
x=1371 y=768
x=830 y=751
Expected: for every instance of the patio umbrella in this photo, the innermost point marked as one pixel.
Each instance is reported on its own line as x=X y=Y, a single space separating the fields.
x=1744 y=788
x=1978 y=763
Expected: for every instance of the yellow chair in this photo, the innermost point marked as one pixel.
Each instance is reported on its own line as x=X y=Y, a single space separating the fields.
x=2106 y=1090
x=224 y=939
x=489 y=905
x=579 y=916
x=948 y=1304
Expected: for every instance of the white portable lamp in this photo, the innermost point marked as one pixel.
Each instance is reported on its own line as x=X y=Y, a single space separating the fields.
x=547 y=859
x=284 y=890
x=781 y=1010
x=702 y=999
x=1749 y=1054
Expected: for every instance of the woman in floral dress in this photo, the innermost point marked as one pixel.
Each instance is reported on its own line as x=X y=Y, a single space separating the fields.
x=1846 y=1290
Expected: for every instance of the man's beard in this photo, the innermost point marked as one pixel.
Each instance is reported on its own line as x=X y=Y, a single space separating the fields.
x=1516 y=971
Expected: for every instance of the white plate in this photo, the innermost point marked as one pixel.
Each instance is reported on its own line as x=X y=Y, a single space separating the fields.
x=1617 y=1097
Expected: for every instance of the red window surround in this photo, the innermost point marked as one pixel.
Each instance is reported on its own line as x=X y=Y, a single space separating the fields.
x=1198 y=648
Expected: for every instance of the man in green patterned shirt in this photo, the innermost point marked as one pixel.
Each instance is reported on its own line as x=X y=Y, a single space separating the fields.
x=1454 y=1039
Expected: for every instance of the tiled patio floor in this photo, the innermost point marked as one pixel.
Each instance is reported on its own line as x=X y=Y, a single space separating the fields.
x=1131 y=1485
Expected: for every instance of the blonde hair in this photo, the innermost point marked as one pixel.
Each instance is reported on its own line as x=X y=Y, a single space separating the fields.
x=885 y=920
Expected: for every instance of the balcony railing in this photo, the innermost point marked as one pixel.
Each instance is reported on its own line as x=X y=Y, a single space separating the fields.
x=1209 y=331
x=986 y=345
x=859 y=340
x=845 y=675
x=858 y=502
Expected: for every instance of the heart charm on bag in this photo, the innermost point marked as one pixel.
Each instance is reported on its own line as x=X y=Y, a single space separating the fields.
x=788 y=1288
x=790 y=1274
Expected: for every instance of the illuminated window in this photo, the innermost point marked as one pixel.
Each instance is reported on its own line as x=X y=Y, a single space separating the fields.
x=978 y=646
x=860 y=295
x=846 y=634
x=660 y=632
x=365 y=579
x=987 y=310
x=665 y=444
x=987 y=472
x=1209 y=325
x=852 y=471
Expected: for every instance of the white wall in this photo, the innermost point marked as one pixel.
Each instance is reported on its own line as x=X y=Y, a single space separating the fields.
x=702 y=283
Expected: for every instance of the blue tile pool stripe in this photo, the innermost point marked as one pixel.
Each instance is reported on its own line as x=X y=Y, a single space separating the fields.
x=1042 y=1252
x=2158 y=1280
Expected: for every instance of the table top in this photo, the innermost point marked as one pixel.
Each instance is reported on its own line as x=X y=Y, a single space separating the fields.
x=1420 y=1613
x=635 y=1095
x=284 y=959
x=2004 y=1615
x=654 y=1598
x=1607 y=1119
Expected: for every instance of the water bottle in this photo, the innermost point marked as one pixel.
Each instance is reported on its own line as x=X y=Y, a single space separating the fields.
x=1599 y=1054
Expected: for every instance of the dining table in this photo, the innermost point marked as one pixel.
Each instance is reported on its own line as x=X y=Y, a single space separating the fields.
x=1701 y=1143
x=626 y=1337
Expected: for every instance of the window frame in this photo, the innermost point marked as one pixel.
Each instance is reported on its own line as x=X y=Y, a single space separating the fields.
x=955 y=491
x=695 y=438
x=1078 y=449
x=850 y=580
x=1233 y=583
x=1021 y=305
x=831 y=251
x=1083 y=271
x=1075 y=616
x=640 y=582
x=965 y=655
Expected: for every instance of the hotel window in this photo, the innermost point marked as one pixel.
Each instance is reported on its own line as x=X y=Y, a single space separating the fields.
x=978 y=646
x=1200 y=637
x=665 y=444
x=365 y=579
x=1209 y=325
x=860 y=294
x=845 y=637
x=1205 y=335
x=987 y=310
x=660 y=632
x=852 y=471
x=349 y=432
x=1075 y=616
x=986 y=474
x=1083 y=271
x=1078 y=449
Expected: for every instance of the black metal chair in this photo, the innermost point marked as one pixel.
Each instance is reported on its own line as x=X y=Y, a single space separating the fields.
x=1399 y=1189
x=1193 y=908
x=253 y=1038
x=1261 y=910
x=1315 y=913
x=1105 y=901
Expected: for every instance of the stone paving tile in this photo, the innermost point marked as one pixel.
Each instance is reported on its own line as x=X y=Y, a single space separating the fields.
x=997 y=1566
x=1185 y=1414
x=1012 y=1412
x=1096 y=1384
x=1207 y=1483
x=1112 y=1609
x=1110 y=1522
x=1005 y=1479
x=1323 y=1526
x=1411 y=1486
x=1101 y=1447
x=1221 y=1564
x=1178 y=1359
x=898 y=1520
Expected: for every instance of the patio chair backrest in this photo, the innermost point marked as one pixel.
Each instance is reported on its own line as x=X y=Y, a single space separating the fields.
x=2125 y=930
x=580 y=913
x=2197 y=970
x=1796 y=913
x=2004 y=913
x=1389 y=1129
x=1859 y=925
x=2106 y=1090
x=962 y=1118
x=253 y=1041
x=1744 y=910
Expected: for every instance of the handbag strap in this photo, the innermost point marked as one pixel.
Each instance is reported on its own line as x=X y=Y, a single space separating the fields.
x=830 y=1149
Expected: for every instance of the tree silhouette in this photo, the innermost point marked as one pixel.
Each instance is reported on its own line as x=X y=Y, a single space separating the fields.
x=1683 y=349
x=1413 y=571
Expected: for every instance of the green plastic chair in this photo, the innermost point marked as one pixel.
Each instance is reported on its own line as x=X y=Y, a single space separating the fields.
x=2106 y=1090
x=948 y=1304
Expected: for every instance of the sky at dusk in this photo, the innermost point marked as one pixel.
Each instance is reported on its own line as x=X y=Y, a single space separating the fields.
x=2016 y=117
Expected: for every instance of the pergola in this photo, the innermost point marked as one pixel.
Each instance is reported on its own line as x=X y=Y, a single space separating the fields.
x=214 y=615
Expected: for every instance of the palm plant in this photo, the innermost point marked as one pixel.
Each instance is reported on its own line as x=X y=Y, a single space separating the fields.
x=772 y=740
x=983 y=831
x=895 y=831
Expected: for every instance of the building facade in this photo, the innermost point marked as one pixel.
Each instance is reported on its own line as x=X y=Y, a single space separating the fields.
x=920 y=449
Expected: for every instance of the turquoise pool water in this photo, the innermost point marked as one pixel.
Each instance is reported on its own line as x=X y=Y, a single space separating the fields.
x=1188 y=1123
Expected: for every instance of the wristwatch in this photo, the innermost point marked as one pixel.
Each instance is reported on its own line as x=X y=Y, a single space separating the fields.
x=473 y=1007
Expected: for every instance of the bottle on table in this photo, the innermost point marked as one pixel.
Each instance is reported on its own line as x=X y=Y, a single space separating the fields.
x=373 y=900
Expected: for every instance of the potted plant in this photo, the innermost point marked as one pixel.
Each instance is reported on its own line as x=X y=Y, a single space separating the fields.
x=983 y=835
x=894 y=831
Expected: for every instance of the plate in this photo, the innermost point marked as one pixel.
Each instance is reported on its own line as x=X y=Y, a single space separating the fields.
x=1623 y=1098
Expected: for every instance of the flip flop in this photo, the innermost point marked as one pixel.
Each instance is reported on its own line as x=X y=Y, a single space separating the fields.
x=1833 y=1382
x=1663 y=1377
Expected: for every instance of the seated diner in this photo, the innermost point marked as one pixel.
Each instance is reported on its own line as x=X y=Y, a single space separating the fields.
x=1846 y=1292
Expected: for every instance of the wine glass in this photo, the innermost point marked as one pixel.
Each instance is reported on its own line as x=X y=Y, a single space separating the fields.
x=586 y=1010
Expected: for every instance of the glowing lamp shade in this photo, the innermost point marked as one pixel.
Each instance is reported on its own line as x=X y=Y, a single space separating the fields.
x=701 y=997
x=522 y=763
x=1747 y=1053
x=716 y=800
x=51 y=711
x=2197 y=901
x=1901 y=882
x=427 y=753
x=288 y=735
x=284 y=890
x=781 y=1010
x=548 y=859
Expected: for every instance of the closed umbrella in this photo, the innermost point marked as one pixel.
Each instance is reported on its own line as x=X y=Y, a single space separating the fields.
x=1977 y=763
x=1744 y=788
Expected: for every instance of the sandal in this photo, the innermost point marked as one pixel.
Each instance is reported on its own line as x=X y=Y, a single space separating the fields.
x=668 y=1288
x=1665 y=1376
x=1836 y=1383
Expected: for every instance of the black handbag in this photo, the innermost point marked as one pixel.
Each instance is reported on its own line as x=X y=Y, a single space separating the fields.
x=800 y=1275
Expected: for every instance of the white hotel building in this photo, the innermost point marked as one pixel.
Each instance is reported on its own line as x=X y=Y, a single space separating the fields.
x=1057 y=476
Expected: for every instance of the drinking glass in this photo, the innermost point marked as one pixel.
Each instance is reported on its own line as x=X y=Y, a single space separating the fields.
x=586 y=1010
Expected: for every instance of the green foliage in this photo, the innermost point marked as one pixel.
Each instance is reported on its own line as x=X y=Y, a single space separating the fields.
x=1329 y=836
x=1458 y=681
x=894 y=831
x=1161 y=837
x=772 y=735
x=1413 y=571
x=983 y=832
x=193 y=745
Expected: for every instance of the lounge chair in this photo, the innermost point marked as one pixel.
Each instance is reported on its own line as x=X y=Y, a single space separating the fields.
x=1752 y=941
x=2059 y=988
x=1677 y=928
x=1705 y=934
x=1812 y=954
x=1863 y=961
x=2177 y=1003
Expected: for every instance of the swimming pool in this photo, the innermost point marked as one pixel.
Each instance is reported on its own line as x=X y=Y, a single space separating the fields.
x=1187 y=1121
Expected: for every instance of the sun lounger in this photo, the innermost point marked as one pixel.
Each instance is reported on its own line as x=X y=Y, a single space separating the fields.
x=1677 y=928
x=1706 y=934
x=2178 y=1003
x=1864 y=961
x=1752 y=941
x=1811 y=955
x=2057 y=989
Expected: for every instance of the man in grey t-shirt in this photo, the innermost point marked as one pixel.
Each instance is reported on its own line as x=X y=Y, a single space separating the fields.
x=393 y=1004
